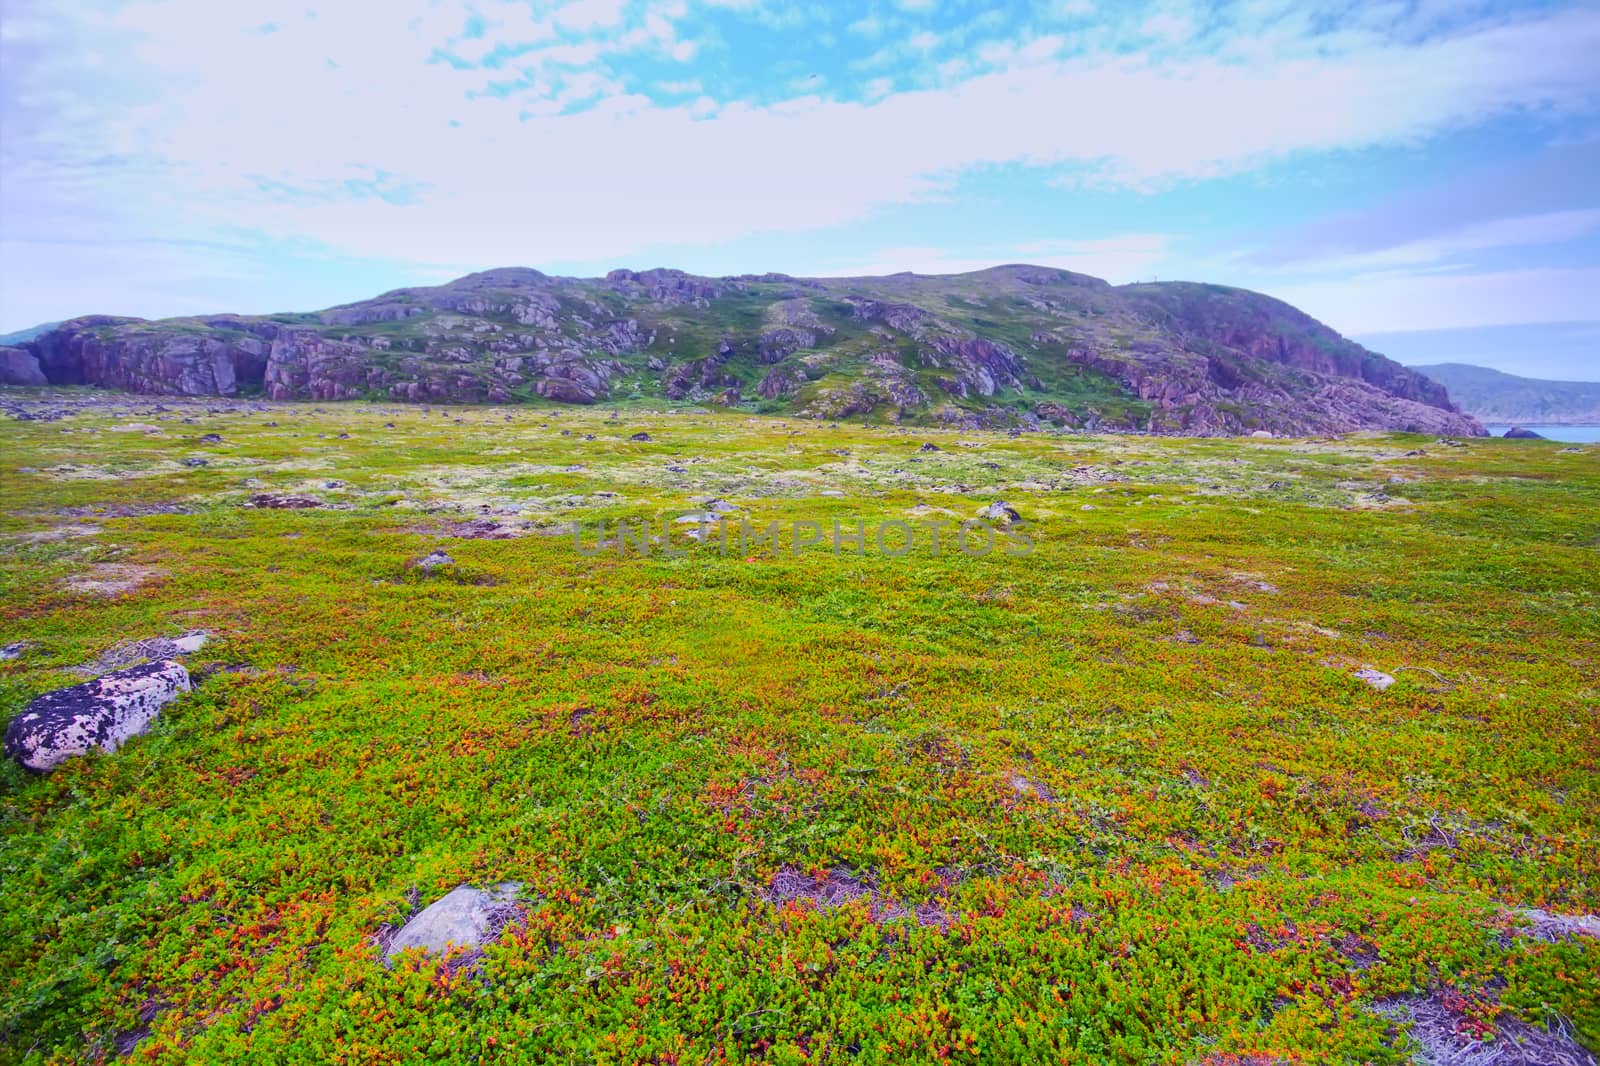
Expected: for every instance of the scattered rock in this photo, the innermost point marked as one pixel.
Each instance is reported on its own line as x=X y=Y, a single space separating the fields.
x=13 y=651
x=1000 y=513
x=1543 y=925
x=432 y=561
x=1376 y=678
x=640 y=436
x=190 y=643
x=152 y=649
x=136 y=427
x=930 y=447
x=193 y=461
x=211 y=438
x=467 y=918
x=103 y=714
x=279 y=501
x=1261 y=434
x=717 y=505
x=473 y=529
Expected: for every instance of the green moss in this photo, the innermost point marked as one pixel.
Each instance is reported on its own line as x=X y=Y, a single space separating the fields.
x=1126 y=847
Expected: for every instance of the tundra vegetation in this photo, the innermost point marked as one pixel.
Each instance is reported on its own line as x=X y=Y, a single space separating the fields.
x=1142 y=795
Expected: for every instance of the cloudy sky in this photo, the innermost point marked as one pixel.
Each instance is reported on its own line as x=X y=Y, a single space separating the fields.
x=1419 y=173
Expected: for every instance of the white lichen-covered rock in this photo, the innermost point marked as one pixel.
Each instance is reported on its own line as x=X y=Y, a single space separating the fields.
x=1547 y=926
x=465 y=918
x=1376 y=678
x=102 y=713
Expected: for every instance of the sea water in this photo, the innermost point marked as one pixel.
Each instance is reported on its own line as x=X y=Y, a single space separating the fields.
x=1569 y=434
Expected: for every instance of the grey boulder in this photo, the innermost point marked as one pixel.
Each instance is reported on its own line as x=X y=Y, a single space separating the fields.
x=103 y=713
x=467 y=917
x=1000 y=513
x=432 y=561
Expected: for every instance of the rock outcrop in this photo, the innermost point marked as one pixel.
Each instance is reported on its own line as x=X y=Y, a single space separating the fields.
x=465 y=918
x=20 y=367
x=102 y=713
x=1013 y=346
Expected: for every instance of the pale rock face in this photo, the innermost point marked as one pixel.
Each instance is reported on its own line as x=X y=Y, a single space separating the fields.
x=190 y=643
x=103 y=713
x=465 y=918
x=1376 y=678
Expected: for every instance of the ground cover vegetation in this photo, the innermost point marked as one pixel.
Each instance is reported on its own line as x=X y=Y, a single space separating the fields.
x=1126 y=798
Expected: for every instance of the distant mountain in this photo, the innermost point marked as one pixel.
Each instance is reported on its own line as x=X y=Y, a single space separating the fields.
x=1014 y=345
x=28 y=334
x=1493 y=396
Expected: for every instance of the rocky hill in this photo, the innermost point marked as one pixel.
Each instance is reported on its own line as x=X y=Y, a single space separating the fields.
x=1014 y=345
x=1494 y=396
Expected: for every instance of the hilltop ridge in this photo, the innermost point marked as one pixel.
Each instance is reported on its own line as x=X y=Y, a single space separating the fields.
x=1495 y=396
x=1011 y=345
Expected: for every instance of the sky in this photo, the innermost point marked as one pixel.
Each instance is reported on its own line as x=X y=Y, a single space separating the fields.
x=1419 y=174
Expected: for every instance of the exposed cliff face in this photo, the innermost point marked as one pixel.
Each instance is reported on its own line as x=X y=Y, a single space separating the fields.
x=1011 y=345
x=19 y=367
x=1267 y=329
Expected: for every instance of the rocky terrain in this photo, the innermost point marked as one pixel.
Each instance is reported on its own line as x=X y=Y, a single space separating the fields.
x=1499 y=397
x=1014 y=345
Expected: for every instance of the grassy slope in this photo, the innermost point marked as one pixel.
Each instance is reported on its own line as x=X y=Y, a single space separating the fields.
x=1147 y=850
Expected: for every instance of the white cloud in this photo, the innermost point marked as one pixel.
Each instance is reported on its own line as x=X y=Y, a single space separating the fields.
x=1167 y=27
x=1397 y=301
x=1553 y=227
x=130 y=129
x=587 y=15
x=1121 y=259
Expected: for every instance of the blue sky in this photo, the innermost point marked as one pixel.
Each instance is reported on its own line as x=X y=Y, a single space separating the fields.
x=1421 y=173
